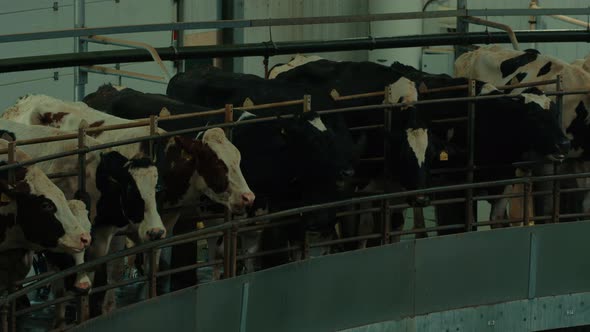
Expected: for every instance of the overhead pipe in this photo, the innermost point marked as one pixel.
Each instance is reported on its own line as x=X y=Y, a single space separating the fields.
x=563 y=18
x=281 y=48
x=507 y=28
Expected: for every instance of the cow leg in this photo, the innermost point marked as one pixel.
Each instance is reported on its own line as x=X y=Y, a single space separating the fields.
x=498 y=210
x=419 y=222
x=115 y=273
x=183 y=255
x=349 y=227
x=397 y=224
x=100 y=246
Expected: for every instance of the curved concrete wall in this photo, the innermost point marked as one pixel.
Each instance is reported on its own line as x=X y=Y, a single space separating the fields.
x=502 y=278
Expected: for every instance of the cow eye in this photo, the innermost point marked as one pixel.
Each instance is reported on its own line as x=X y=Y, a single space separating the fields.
x=47 y=207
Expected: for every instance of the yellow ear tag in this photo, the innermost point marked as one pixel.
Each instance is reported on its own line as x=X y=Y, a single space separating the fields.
x=4 y=198
x=185 y=155
x=444 y=156
x=200 y=225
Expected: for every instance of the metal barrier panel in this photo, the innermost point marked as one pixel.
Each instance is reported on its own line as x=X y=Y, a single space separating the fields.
x=334 y=292
x=472 y=282
x=471 y=269
x=562 y=254
x=174 y=312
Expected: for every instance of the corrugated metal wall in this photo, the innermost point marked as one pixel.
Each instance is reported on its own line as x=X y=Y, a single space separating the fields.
x=254 y=9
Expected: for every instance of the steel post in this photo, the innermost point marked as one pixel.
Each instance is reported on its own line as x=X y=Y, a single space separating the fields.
x=469 y=215
x=83 y=308
x=306 y=103
x=525 y=205
x=462 y=26
x=82 y=194
x=152 y=272
x=4 y=313
x=80 y=46
x=556 y=183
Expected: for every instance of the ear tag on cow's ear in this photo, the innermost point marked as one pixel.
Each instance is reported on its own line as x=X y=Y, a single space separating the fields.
x=444 y=156
x=5 y=199
x=185 y=155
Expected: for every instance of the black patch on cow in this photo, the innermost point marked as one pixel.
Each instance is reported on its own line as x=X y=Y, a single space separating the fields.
x=532 y=50
x=35 y=213
x=580 y=130
x=520 y=76
x=120 y=200
x=509 y=66
x=545 y=69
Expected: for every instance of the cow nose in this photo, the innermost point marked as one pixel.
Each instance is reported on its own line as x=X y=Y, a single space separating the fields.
x=418 y=201
x=85 y=239
x=156 y=233
x=346 y=173
x=248 y=198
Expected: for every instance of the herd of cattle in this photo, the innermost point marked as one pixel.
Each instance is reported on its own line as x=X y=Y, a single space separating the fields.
x=291 y=162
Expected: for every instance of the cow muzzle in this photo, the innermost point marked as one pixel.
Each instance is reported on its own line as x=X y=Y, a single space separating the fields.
x=154 y=234
x=418 y=200
x=246 y=200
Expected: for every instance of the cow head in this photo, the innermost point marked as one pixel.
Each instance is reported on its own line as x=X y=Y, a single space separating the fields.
x=217 y=164
x=41 y=210
x=542 y=132
x=323 y=154
x=128 y=194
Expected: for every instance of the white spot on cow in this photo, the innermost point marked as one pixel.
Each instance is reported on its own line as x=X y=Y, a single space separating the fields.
x=146 y=179
x=298 y=60
x=119 y=87
x=540 y=100
x=245 y=115
x=418 y=141
x=450 y=134
x=403 y=90
x=487 y=89
x=318 y=124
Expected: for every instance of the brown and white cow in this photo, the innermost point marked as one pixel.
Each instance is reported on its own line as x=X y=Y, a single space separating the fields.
x=188 y=169
x=499 y=66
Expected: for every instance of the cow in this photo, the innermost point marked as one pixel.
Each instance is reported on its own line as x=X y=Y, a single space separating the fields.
x=345 y=77
x=529 y=123
x=501 y=66
x=187 y=168
x=35 y=212
x=408 y=125
x=323 y=155
x=282 y=160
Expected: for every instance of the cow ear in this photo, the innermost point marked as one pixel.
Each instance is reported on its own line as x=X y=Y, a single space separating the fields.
x=7 y=135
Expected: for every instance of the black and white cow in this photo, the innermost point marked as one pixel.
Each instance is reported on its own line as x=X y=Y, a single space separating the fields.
x=36 y=216
x=35 y=212
x=188 y=168
x=500 y=66
x=413 y=147
x=529 y=126
x=281 y=160
x=320 y=152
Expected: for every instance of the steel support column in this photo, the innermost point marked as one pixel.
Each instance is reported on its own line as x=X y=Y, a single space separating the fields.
x=80 y=46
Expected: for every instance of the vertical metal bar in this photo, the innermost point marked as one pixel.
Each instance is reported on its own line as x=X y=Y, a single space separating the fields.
x=152 y=279
x=469 y=215
x=556 y=183
x=227 y=254
x=4 y=313
x=153 y=131
x=533 y=266
x=306 y=103
x=83 y=308
x=462 y=27
x=11 y=160
x=12 y=315
x=81 y=194
x=80 y=46
x=180 y=14
x=387 y=166
x=305 y=248
x=525 y=204
x=228 y=238
x=233 y=251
